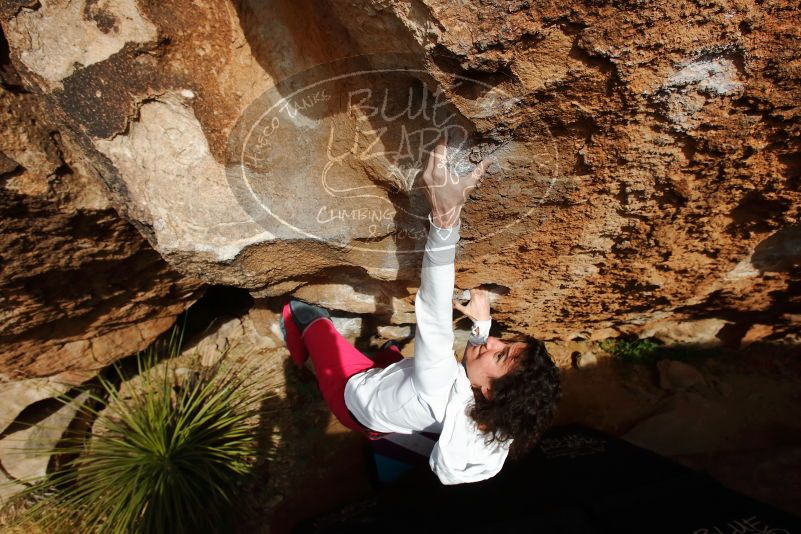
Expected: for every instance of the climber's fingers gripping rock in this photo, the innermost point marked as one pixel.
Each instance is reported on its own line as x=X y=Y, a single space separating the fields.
x=447 y=192
x=478 y=309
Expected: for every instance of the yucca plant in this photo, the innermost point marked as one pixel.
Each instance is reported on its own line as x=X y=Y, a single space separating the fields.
x=163 y=455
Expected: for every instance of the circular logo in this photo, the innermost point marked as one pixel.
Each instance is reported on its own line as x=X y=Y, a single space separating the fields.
x=334 y=155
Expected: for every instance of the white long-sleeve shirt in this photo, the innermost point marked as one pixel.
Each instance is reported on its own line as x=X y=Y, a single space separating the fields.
x=431 y=392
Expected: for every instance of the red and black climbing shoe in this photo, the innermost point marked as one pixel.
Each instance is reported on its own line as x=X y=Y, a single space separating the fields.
x=295 y=317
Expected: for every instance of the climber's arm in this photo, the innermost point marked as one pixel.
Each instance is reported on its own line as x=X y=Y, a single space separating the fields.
x=434 y=364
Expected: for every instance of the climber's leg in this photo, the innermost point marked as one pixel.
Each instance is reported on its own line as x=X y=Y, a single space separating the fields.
x=387 y=355
x=294 y=343
x=335 y=360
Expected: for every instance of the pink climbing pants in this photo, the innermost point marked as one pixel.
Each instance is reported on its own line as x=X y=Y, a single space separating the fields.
x=335 y=360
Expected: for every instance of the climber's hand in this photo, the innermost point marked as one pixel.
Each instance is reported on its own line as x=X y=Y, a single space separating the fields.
x=478 y=309
x=446 y=191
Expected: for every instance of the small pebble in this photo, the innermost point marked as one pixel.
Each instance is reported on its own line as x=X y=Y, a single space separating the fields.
x=588 y=359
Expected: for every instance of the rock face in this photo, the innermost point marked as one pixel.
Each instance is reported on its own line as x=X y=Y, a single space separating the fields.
x=80 y=287
x=23 y=455
x=648 y=157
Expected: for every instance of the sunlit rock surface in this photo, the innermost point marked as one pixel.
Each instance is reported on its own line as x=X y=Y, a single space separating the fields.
x=80 y=287
x=24 y=454
x=647 y=157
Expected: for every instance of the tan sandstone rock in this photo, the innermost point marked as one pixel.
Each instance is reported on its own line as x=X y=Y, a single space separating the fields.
x=647 y=156
x=18 y=395
x=24 y=454
x=678 y=376
x=80 y=287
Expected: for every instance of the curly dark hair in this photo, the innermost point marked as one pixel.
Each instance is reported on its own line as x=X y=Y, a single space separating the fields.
x=523 y=400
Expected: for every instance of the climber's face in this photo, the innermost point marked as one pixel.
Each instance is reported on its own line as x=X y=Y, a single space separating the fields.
x=491 y=360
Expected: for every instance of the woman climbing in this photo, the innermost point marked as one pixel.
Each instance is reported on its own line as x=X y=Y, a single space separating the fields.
x=501 y=396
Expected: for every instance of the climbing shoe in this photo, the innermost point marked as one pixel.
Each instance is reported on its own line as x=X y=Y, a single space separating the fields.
x=295 y=317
